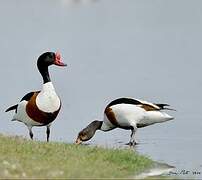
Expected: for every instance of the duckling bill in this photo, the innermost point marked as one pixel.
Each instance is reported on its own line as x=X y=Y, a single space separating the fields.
x=129 y=114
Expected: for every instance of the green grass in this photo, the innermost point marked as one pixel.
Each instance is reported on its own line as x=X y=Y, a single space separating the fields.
x=21 y=158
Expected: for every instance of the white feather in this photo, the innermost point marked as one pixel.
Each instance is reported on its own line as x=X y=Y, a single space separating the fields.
x=47 y=100
x=128 y=114
x=22 y=116
x=152 y=117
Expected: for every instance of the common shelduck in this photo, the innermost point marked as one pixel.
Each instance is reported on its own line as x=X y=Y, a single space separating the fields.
x=40 y=108
x=129 y=114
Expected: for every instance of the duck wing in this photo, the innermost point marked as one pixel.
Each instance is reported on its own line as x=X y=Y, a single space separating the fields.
x=27 y=97
x=124 y=101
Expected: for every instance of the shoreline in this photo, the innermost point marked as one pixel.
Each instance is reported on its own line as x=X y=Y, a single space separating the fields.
x=23 y=158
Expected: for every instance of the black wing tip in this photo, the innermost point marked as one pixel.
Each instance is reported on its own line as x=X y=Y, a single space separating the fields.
x=27 y=97
x=165 y=107
x=11 y=108
x=162 y=105
x=170 y=109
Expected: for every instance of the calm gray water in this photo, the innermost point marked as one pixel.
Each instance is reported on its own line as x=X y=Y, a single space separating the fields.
x=143 y=49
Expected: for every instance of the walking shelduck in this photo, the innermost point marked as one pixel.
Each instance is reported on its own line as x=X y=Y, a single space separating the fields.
x=129 y=114
x=40 y=108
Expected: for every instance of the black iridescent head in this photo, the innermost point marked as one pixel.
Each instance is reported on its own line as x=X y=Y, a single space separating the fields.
x=47 y=59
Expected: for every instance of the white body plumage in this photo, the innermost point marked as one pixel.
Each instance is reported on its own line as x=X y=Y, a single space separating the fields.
x=130 y=115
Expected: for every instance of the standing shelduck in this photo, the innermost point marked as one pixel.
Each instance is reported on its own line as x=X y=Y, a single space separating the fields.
x=40 y=108
x=129 y=114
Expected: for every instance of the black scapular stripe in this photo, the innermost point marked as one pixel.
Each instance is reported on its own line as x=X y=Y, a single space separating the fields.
x=124 y=101
x=28 y=96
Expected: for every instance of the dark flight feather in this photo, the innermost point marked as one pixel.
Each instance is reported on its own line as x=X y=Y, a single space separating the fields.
x=12 y=108
x=164 y=107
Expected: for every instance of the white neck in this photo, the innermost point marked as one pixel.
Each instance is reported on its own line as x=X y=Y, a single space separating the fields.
x=48 y=87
